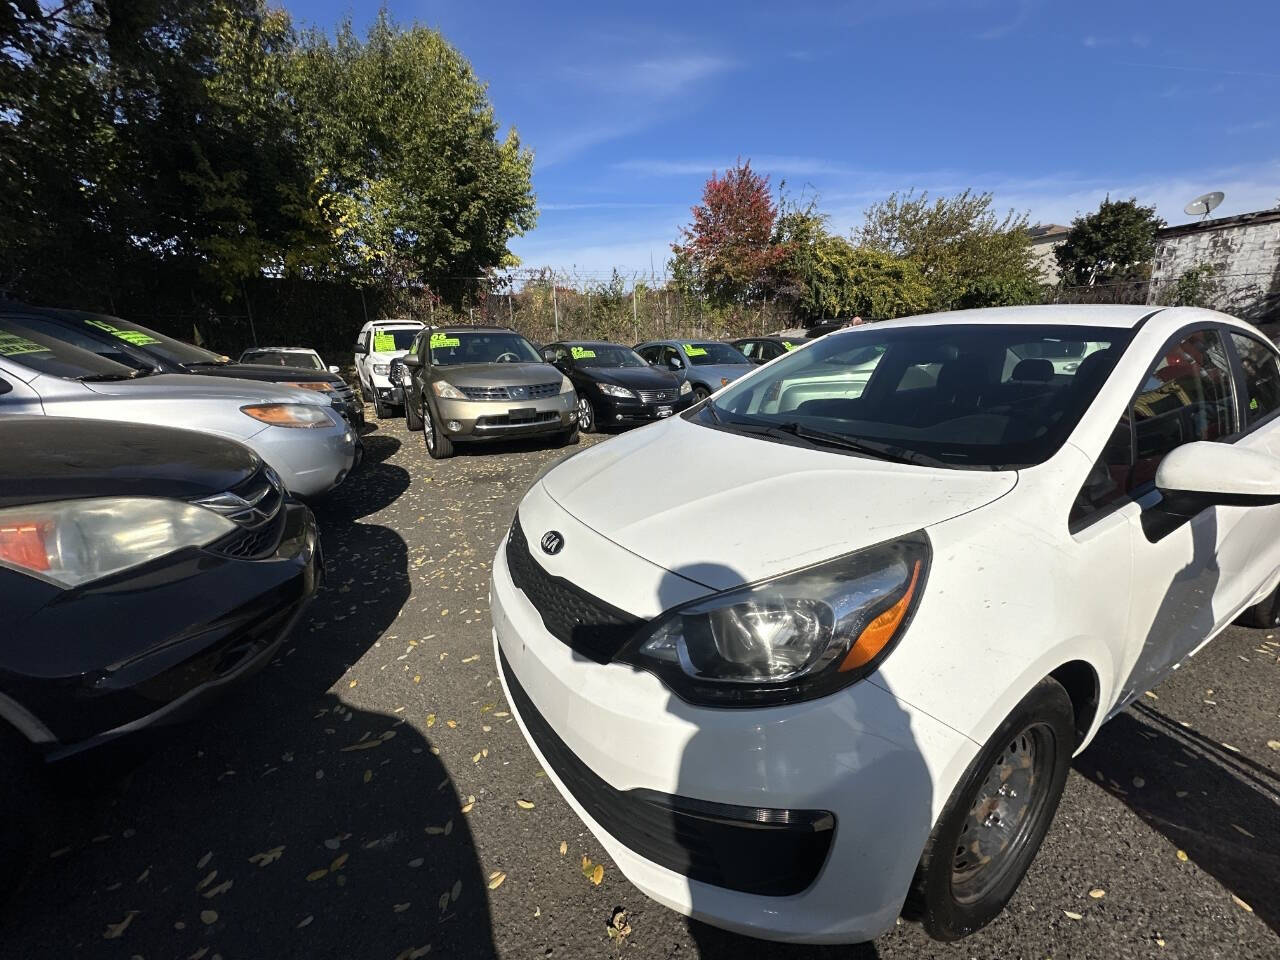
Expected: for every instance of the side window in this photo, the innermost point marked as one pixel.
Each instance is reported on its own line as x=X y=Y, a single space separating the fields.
x=649 y=354
x=749 y=349
x=1108 y=482
x=670 y=354
x=1186 y=397
x=1261 y=378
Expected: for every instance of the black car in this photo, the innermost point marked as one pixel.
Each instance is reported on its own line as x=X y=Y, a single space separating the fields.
x=764 y=349
x=142 y=571
x=141 y=348
x=614 y=384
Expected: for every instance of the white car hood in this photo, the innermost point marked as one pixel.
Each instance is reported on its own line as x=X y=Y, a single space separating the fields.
x=725 y=509
x=182 y=386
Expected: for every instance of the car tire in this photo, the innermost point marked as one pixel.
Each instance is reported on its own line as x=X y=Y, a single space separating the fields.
x=972 y=865
x=21 y=791
x=586 y=414
x=439 y=447
x=379 y=408
x=411 y=419
x=1264 y=615
x=700 y=394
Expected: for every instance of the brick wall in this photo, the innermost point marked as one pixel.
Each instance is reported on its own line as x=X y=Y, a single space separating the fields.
x=1246 y=251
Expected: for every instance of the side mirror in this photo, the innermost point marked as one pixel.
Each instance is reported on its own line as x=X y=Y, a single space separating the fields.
x=674 y=363
x=1203 y=474
x=334 y=369
x=361 y=350
x=411 y=360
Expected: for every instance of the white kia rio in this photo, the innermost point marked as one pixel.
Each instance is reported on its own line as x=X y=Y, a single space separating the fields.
x=803 y=663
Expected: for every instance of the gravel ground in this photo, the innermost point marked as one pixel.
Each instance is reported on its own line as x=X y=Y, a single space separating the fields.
x=368 y=795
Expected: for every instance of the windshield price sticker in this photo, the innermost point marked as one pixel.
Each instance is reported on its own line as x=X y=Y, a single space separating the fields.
x=788 y=344
x=136 y=337
x=582 y=353
x=383 y=342
x=444 y=340
x=692 y=351
x=11 y=345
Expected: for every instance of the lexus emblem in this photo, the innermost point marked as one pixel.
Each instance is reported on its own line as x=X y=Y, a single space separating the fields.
x=552 y=542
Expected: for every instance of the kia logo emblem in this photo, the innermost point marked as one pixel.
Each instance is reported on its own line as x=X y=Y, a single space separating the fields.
x=552 y=542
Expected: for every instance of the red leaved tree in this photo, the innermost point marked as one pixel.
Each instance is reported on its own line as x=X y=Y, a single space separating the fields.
x=726 y=254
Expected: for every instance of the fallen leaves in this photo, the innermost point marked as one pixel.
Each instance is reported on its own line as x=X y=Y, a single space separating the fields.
x=1273 y=744
x=471 y=802
x=400 y=907
x=218 y=890
x=564 y=848
x=1072 y=915
x=1241 y=904
x=204 y=861
x=305 y=921
x=619 y=929
x=495 y=879
x=338 y=862
x=1182 y=855
x=524 y=804
x=592 y=871
x=115 y=930
x=472 y=659
x=414 y=953
x=1097 y=893
x=208 y=917
x=315 y=875
x=209 y=878
x=268 y=856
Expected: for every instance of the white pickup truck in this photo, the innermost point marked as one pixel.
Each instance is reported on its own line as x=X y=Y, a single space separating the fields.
x=380 y=342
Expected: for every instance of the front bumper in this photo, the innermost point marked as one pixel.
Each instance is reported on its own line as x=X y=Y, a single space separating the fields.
x=497 y=419
x=621 y=410
x=310 y=462
x=882 y=769
x=151 y=649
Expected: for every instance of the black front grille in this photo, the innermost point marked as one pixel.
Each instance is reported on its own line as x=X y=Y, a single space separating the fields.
x=761 y=850
x=571 y=615
x=537 y=391
x=253 y=544
x=657 y=396
x=502 y=420
x=540 y=390
x=256 y=507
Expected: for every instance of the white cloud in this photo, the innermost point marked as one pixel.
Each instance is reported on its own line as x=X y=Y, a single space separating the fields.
x=662 y=77
x=1021 y=15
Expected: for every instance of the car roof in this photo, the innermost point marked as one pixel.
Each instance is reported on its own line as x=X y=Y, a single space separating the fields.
x=468 y=328
x=384 y=324
x=590 y=343
x=278 y=350
x=1058 y=314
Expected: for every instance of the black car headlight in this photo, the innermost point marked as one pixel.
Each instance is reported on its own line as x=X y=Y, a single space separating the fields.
x=795 y=637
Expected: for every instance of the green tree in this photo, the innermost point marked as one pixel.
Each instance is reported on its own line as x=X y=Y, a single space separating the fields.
x=411 y=177
x=1114 y=243
x=824 y=275
x=967 y=255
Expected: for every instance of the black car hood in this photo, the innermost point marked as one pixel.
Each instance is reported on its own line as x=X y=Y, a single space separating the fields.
x=56 y=458
x=637 y=378
x=265 y=372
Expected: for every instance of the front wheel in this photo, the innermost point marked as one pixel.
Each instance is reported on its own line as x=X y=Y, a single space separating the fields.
x=439 y=446
x=586 y=415
x=996 y=818
x=412 y=420
x=700 y=394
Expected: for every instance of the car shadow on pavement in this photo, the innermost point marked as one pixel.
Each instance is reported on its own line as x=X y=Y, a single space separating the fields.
x=299 y=817
x=1219 y=807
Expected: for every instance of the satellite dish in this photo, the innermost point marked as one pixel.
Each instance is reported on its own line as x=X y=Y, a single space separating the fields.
x=1203 y=205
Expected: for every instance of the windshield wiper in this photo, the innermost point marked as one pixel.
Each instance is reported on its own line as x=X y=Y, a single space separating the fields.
x=881 y=451
x=109 y=377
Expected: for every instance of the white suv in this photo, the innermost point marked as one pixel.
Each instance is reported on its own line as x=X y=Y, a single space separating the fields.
x=380 y=342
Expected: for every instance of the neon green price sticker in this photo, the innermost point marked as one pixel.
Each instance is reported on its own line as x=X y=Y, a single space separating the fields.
x=788 y=344
x=136 y=337
x=11 y=345
x=383 y=342
x=582 y=353
x=693 y=351
x=444 y=340
x=1253 y=403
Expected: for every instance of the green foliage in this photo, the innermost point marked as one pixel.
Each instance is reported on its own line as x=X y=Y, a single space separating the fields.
x=825 y=275
x=1115 y=243
x=968 y=256
x=1197 y=287
x=412 y=179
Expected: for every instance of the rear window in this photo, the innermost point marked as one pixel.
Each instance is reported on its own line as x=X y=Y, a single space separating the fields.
x=282 y=358
x=391 y=341
x=710 y=353
x=34 y=348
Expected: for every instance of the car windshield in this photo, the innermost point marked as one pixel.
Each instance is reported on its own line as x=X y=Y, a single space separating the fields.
x=955 y=395
x=149 y=341
x=283 y=358
x=703 y=354
x=391 y=341
x=452 y=347
x=604 y=355
x=32 y=347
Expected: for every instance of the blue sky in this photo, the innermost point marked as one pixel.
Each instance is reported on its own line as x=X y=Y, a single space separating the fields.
x=629 y=107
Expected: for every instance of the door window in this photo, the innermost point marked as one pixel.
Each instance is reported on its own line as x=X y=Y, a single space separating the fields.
x=650 y=354
x=1261 y=378
x=750 y=349
x=671 y=358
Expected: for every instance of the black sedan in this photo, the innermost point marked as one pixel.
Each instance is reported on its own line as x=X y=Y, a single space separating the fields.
x=142 y=571
x=139 y=347
x=614 y=385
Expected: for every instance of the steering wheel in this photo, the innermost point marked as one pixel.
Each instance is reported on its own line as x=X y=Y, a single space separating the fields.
x=507 y=357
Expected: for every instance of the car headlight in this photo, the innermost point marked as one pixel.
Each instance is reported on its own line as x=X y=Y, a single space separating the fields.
x=609 y=390
x=76 y=541
x=566 y=385
x=304 y=415
x=316 y=385
x=381 y=369
x=447 y=390
x=795 y=637
x=685 y=387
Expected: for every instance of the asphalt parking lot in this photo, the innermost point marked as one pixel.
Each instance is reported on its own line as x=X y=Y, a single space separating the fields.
x=368 y=794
